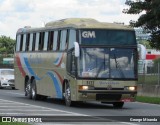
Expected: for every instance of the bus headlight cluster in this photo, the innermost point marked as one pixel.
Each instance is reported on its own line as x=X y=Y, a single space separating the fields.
x=130 y=88
x=85 y=87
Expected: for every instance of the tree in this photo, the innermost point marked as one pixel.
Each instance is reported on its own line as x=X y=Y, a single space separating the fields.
x=145 y=43
x=6 y=45
x=150 y=21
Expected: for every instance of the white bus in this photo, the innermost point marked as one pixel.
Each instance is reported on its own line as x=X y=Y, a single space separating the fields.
x=77 y=59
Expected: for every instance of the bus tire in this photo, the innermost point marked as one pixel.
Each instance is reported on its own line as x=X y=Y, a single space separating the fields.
x=67 y=96
x=34 y=90
x=118 y=104
x=28 y=90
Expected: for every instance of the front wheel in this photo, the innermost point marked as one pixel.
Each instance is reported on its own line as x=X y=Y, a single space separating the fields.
x=67 y=95
x=118 y=104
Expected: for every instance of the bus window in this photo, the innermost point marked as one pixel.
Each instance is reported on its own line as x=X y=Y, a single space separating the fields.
x=18 y=43
x=72 y=38
x=30 y=42
x=37 y=42
x=21 y=43
x=24 y=43
x=63 y=39
x=55 y=40
x=34 y=42
x=41 y=41
x=50 y=41
x=58 y=40
x=45 y=41
x=27 y=42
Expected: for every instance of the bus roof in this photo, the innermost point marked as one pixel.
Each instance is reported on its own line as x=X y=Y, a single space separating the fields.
x=78 y=23
x=86 y=23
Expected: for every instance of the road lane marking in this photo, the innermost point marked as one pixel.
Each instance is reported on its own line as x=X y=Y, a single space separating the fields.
x=15 y=93
x=52 y=109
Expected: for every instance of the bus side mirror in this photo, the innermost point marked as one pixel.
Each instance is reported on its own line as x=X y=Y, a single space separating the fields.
x=77 y=51
x=142 y=52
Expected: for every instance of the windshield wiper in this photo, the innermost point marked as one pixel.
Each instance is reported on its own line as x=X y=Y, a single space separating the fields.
x=118 y=66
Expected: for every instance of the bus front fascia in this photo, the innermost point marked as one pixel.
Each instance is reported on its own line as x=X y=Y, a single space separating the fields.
x=85 y=90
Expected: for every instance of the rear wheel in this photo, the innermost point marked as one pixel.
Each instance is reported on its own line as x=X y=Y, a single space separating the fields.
x=34 y=90
x=35 y=96
x=28 y=89
x=118 y=104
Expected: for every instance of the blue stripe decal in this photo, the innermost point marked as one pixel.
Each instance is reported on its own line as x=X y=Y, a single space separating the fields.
x=30 y=69
x=57 y=87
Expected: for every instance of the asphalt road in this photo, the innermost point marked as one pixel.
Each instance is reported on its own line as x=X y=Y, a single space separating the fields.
x=13 y=103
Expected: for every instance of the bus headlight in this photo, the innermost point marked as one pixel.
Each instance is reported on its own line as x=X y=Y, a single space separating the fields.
x=130 y=88
x=85 y=87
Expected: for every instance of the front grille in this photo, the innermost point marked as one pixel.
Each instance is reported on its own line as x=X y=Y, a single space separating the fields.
x=108 y=96
x=11 y=80
x=107 y=89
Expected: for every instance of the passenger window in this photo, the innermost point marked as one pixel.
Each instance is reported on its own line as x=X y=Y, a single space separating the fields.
x=72 y=38
x=45 y=41
x=50 y=44
x=21 y=43
x=24 y=43
x=18 y=43
x=55 y=40
x=30 y=42
x=63 y=40
x=58 y=40
x=34 y=42
x=27 y=42
x=41 y=41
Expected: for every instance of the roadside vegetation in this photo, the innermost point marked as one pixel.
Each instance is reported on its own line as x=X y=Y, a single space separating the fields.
x=145 y=99
x=148 y=79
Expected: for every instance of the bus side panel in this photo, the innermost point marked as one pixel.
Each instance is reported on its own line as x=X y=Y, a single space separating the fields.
x=48 y=69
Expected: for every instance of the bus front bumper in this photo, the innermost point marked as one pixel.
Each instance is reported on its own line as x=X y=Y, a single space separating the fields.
x=107 y=95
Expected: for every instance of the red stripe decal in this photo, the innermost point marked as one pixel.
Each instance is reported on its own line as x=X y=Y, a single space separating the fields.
x=20 y=65
x=61 y=80
x=60 y=61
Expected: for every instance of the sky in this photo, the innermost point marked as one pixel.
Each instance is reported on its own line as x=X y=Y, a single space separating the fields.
x=15 y=14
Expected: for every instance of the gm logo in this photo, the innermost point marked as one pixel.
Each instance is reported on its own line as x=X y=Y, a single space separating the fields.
x=88 y=34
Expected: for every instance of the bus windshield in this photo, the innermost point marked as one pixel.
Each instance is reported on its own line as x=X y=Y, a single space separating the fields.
x=107 y=37
x=107 y=63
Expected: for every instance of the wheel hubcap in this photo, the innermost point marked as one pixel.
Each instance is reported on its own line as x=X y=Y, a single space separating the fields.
x=68 y=95
x=28 y=88
x=33 y=92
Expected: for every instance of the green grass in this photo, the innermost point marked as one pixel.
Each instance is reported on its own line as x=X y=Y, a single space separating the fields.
x=148 y=79
x=145 y=99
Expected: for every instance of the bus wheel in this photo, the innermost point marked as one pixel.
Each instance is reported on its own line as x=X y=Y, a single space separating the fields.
x=28 y=90
x=34 y=90
x=118 y=104
x=67 y=97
